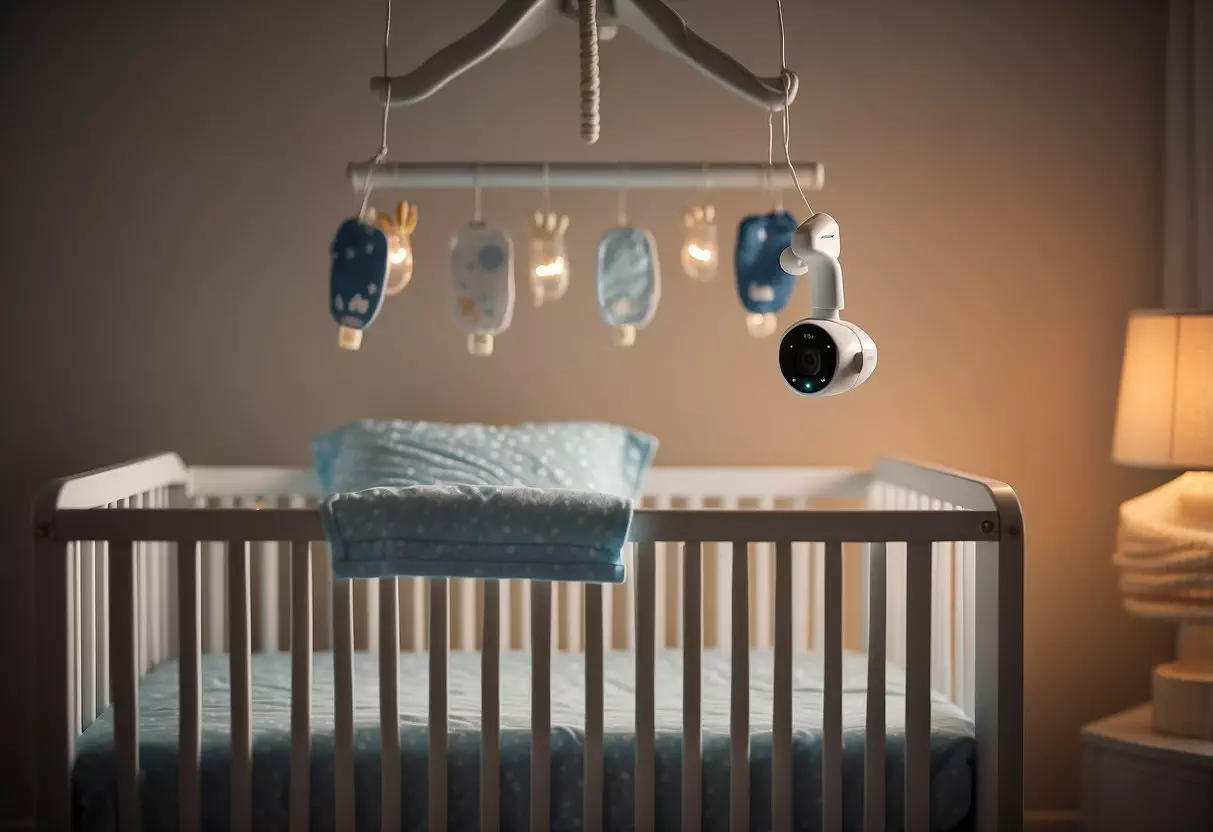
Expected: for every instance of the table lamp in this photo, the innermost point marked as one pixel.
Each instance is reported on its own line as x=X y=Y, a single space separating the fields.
x=1164 y=419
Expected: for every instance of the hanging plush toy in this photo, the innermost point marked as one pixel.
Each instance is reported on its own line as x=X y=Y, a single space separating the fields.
x=629 y=281
x=762 y=285
x=549 y=260
x=700 y=253
x=482 y=274
x=357 y=279
x=399 y=231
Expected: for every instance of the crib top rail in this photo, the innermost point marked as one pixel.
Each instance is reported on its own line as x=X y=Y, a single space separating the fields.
x=102 y=486
x=687 y=482
x=64 y=512
x=648 y=525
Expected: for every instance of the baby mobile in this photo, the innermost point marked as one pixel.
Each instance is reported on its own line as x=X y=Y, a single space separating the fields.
x=372 y=254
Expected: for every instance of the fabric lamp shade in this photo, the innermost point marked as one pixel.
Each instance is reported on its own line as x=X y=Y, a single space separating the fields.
x=1164 y=416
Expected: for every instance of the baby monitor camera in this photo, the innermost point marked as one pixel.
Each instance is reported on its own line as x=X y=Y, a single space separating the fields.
x=822 y=355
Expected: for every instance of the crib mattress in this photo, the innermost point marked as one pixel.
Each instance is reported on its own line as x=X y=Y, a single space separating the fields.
x=953 y=744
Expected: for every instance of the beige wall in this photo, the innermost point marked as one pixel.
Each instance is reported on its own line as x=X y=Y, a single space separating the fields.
x=172 y=178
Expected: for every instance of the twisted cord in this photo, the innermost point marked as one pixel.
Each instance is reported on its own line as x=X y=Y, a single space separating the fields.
x=587 y=11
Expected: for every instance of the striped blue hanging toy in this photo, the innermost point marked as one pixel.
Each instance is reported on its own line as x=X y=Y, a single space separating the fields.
x=628 y=278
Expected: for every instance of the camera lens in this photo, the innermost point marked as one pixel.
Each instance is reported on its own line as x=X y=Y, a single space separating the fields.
x=808 y=361
x=808 y=357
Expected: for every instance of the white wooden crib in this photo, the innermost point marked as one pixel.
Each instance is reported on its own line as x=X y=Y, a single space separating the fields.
x=153 y=561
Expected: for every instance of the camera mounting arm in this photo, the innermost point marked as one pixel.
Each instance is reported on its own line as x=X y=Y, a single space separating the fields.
x=825 y=288
x=816 y=246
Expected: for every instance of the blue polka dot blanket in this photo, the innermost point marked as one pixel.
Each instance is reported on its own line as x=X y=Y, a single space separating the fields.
x=545 y=501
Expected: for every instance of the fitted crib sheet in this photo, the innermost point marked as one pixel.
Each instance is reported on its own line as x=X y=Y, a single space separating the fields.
x=953 y=745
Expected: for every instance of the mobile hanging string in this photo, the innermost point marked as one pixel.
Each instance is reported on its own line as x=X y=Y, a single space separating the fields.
x=777 y=192
x=787 y=76
x=378 y=158
x=622 y=205
x=361 y=249
x=818 y=236
x=476 y=217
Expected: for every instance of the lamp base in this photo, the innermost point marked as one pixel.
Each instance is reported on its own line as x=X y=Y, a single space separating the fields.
x=1183 y=689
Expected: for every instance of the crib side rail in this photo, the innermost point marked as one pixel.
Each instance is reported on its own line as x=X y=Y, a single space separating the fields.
x=977 y=618
x=72 y=599
x=686 y=530
x=910 y=517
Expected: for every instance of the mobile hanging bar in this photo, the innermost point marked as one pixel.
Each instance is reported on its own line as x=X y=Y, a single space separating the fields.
x=593 y=177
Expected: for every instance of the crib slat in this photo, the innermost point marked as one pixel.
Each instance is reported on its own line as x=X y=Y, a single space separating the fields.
x=646 y=641
x=739 y=710
x=168 y=590
x=104 y=696
x=268 y=559
x=75 y=720
x=831 y=747
x=240 y=639
x=389 y=704
x=125 y=684
x=189 y=741
x=817 y=580
x=153 y=561
x=439 y=646
x=142 y=607
x=968 y=588
x=874 y=724
x=724 y=595
x=692 y=694
x=541 y=705
x=467 y=614
x=88 y=633
x=343 y=701
x=662 y=629
x=573 y=616
x=213 y=594
x=324 y=635
x=918 y=688
x=781 y=734
x=370 y=614
x=594 y=637
x=299 y=558
x=802 y=613
x=414 y=611
x=490 y=710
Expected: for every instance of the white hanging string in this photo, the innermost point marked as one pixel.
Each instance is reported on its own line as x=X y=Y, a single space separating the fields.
x=476 y=194
x=622 y=215
x=778 y=192
x=787 y=104
x=547 y=189
x=387 y=99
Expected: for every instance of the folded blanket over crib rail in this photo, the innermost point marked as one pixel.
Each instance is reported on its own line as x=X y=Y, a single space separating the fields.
x=540 y=501
x=474 y=531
